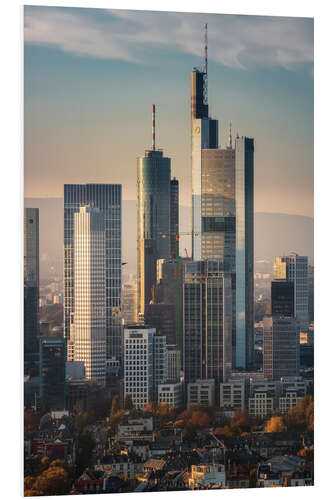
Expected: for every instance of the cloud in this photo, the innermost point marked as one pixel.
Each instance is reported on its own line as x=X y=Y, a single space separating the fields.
x=234 y=41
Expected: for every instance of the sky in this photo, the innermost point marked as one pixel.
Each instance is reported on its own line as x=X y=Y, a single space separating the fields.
x=91 y=76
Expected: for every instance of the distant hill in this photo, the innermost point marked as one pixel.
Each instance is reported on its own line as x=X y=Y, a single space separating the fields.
x=274 y=234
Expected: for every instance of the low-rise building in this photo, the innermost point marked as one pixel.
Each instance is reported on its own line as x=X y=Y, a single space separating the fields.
x=172 y=394
x=207 y=476
x=232 y=396
x=201 y=392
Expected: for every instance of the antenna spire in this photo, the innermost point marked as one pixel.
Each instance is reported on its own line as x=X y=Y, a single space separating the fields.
x=230 y=138
x=153 y=142
x=206 y=50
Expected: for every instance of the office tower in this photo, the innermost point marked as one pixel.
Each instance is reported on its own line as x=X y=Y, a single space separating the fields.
x=144 y=363
x=222 y=210
x=244 y=252
x=311 y=293
x=106 y=197
x=88 y=329
x=207 y=320
x=282 y=298
x=169 y=290
x=129 y=309
x=153 y=188
x=52 y=373
x=281 y=347
x=173 y=363
x=163 y=318
x=31 y=280
x=294 y=268
x=174 y=218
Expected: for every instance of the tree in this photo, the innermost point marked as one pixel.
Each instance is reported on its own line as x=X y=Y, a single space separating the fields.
x=253 y=478
x=189 y=431
x=301 y=417
x=31 y=422
x=275 y=424
x=53 y=481
x=115 y=405
x=128 y=404
x=200 y=419
x=85 y=449
x=242 y=421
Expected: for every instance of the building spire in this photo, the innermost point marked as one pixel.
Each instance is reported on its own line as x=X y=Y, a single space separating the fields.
x=205 y=71
x=153 y=142
x=206 y=51
x=230 y=138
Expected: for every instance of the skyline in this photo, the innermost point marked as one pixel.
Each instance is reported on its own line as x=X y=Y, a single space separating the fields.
x=278 y=90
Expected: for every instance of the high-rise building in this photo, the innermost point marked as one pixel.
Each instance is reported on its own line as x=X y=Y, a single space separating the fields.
x=174 y=218
x=31 y=280
x=207 y=320
x=222 y=210
x=163 y=318
x=144 y=363
x=311 y=293
x=244 y=177
x=129 y=309
x=106 y=197
x=153 y=188
x=281 y=347
x=52 y=372
x=294 y=268
x=282 y=298
x=88 y=329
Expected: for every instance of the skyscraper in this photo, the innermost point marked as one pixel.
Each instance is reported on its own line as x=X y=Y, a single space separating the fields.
x=174 y=217
x=52 y=372
x=31 y=280
x=282 y=298
x=88 y=330
x=106 y=197
x=207 y=317
x=281 y=347
x=222 y=210
x=244 y=178
x=153 y=188
x=294 y=268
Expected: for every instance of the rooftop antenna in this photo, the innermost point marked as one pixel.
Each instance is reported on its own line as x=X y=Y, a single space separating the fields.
x=153 y=128
x=205 y=67
x=230 y=138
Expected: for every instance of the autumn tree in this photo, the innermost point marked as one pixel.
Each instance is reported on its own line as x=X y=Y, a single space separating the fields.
x=31 y=421
x=53 y=481
x=275 y=424
x=241 y=420
x=301 y=417
x=115 y=405
x=200 y=419
x=128 y=404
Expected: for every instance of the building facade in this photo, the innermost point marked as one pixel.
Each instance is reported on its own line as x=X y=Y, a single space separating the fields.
x=88 y=332
x=207 y=321
x=282 y=298
x=52 y=373
x=108 y=198
x=201 y=392
x=294 y=268
x=174 y=218
x=281 y=347
x=31 y=281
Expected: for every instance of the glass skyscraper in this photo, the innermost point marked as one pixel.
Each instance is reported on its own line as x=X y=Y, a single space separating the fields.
x=31 y=280
x=153 y=185
x=108 y=198
x=52 y=372
x=207 y=321
x=88 y=330
x=244 y=177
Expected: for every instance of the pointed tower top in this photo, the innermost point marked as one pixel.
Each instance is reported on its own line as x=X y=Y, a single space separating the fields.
x=206 y=50
x=153 y=145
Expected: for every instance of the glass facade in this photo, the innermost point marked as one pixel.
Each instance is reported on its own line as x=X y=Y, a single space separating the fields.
x=52 y=373
x=31 y=280
x=153 y=188
x=174 y=217
x=88 y=331
x=207 y=321
x=282 y=298
x=106 y=197
x=244 y=345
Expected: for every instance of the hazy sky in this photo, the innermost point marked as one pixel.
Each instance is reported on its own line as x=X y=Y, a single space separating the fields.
x=91 y=76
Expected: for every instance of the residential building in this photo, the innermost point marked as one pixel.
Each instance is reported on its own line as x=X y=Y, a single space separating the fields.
x=281 y=347
x=207 y=476
x=233 y=396
x=52 y=373
x=31 y=281
x=201 y=392
x=106 y=197
x=88 y=329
